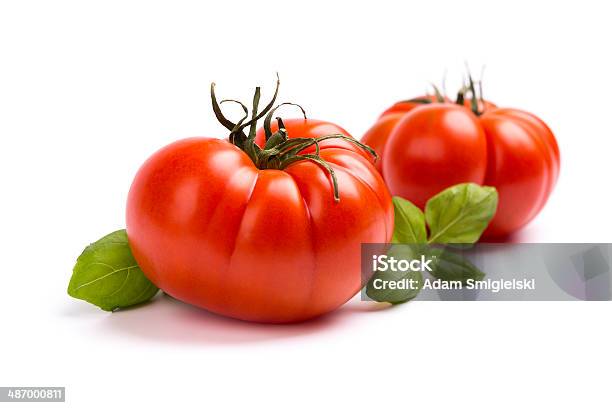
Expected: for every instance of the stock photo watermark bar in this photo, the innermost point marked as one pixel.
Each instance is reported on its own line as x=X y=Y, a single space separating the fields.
x=397 y=273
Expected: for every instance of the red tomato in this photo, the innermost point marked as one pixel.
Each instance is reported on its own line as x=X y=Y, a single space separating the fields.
x=431 y=148
x=211 y=229
x=437 y=145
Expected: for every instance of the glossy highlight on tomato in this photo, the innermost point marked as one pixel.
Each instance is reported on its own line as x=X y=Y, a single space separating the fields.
x=215 y=225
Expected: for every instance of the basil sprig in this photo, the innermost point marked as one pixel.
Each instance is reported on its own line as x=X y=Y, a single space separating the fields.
x=107 y=275
x=457 y=215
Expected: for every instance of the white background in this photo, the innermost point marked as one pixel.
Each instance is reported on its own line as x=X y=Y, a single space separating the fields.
x=88 y=91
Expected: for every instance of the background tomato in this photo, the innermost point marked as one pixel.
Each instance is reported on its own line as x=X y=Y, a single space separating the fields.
x=211 y=229
x=429 y=150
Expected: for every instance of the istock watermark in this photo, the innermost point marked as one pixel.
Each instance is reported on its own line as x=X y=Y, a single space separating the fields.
x=384 y=263
x=401 y=272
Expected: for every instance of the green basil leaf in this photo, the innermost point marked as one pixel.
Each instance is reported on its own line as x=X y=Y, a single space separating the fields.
x=382 y=286
x=460 y=213
x=107 y=275
x=451 y=266
x=409 y=223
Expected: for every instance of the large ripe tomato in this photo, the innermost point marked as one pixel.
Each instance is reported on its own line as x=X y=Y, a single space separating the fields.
x=431 y=147
x=267 y=244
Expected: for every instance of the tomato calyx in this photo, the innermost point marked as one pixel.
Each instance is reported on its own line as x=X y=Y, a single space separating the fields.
x=279 y=151
x=438 y=97
x=469 y=89
x=423 y=101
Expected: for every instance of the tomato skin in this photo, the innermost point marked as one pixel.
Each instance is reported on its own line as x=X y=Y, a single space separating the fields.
x=523 y=165
x=210 y=229
x=376 y=137
x=542 y=130
x=431 y=148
